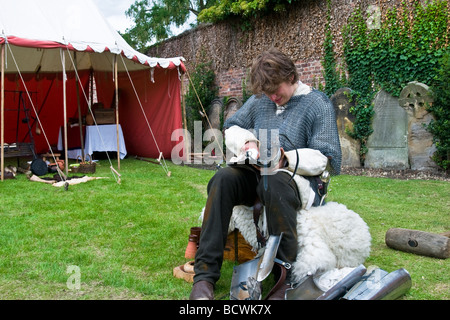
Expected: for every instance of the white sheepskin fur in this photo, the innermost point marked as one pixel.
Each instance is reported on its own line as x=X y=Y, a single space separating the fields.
x=329 y=237
x=242 y=219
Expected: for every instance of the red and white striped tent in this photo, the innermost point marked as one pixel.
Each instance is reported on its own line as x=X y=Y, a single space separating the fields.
x=49 y=47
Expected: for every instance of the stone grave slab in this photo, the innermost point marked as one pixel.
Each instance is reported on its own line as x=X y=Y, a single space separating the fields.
x=387 y=145
x=350 y=147
x=414 y=98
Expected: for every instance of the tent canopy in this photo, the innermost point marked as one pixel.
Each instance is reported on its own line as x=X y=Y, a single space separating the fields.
x=77 y=25
x=36 y=35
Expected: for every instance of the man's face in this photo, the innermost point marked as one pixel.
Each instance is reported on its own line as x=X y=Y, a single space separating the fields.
x=283 y=94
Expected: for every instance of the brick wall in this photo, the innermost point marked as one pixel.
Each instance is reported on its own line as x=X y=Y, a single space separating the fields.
x=310 y=72
x=298 y=32
x=230 y=81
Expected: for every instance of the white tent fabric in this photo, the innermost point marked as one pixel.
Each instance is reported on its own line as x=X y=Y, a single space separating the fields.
x=31 y=25
x=56 y=37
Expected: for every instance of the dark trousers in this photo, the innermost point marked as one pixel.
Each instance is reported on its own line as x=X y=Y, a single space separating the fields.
x=240 y=185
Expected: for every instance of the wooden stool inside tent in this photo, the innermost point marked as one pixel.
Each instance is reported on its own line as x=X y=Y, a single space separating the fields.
x=50 y=157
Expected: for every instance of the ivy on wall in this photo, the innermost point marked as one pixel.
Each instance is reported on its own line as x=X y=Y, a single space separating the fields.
x=224 y=9
x=332 y=78
x=201 y=92
x=440 y=127
x=407 y=44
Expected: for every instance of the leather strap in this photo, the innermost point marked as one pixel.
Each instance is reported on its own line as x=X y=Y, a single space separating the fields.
x=280 y=281
x=236 y=249
x=257 y=207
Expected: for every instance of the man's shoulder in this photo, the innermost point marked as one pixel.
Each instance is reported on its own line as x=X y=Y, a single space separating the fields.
x=316 y=94
x=257 y=98
x=315 y=97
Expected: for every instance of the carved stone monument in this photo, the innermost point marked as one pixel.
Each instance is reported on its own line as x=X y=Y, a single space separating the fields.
x=388 y=144
x=350 y=147
x=414 y=98
x=232 y=105
x=215 y=110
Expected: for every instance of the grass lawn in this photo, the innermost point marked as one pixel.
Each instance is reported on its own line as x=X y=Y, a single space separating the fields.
x=125 y=239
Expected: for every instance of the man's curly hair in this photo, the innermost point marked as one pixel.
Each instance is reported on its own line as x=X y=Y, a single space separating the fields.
x=270 y=69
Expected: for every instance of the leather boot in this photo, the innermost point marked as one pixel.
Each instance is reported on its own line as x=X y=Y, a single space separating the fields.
x=202 y=290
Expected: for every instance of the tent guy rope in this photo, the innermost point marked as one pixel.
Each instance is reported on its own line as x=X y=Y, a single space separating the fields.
x=205 y=114
x=161 y=157
x=114 y=172
x=34 y=109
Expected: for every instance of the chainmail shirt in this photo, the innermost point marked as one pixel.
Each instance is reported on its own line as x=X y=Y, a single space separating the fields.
x=307 y=121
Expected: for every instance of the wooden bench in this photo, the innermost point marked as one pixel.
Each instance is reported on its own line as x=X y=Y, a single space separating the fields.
x=20 y=149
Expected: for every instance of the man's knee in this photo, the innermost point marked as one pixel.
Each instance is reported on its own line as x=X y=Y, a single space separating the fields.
x=231 y=180
x=278 y=186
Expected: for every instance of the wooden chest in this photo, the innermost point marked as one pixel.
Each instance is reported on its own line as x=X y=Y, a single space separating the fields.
x=105 y=116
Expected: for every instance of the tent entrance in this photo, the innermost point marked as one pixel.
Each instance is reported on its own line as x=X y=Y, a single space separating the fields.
x=23 y=145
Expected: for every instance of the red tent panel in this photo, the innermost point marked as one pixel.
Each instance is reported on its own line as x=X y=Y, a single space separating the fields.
x=46 y=93
x=161 y=102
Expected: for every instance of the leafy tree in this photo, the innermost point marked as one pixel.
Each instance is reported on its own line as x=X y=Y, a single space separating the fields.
x=153 y=18
x=202 y=91
x=223 y=9
x=408 y=45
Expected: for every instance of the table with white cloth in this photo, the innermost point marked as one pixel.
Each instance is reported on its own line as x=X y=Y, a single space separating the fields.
x=98 y=138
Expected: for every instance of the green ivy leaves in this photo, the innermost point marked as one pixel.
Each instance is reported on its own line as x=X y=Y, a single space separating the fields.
x=440 y=127
x=407 y=46
x=224 y=9
x=202 y=91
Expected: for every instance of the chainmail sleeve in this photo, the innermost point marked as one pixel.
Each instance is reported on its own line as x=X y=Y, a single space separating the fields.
x=309 y=121
x=244 y=117
x=324 y=136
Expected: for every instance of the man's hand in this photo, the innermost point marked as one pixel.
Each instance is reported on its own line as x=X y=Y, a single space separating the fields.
x=252 y=147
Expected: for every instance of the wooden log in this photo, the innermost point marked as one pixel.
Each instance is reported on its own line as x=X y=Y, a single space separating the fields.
x=418 y=242
x=445 y=234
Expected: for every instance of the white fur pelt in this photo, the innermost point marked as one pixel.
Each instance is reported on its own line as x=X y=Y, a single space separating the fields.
x=329 y=237
x=242 y=219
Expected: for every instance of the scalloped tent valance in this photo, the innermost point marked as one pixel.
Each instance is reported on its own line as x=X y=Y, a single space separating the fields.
x=46 y=40
x=77 y=25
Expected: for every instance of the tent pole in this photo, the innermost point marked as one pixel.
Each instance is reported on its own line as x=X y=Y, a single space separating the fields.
x=80 y=122
x=187 y=148
x=66 y=158
x=91 y=87
x=116 y=81
x=2 y=166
